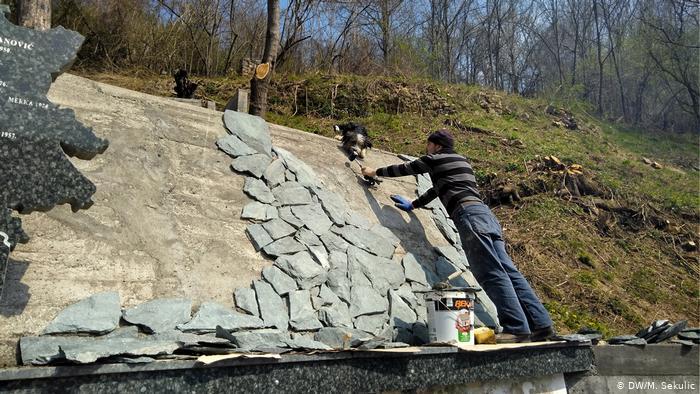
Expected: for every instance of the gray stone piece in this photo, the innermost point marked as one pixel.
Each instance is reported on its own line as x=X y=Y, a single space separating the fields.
x=211 y=314
x=341 y=338
x=423 y=184
x=258 y=236
x=305 y=343
x=320 y=255
x=366 y=300
x=191 y=340
x=97 y=314
x=328 y=296
x=278 y=228
x=407 y=294
x=302 y=316
x=413 y=270
x=258 y=211
x=338 y=261
x=316 y=302
x=313 y=217
x=336 y=315
x=357 y=220
x=357 y=277
x=252 y=164
x=385 y=233
x=258 y=190
x=443 y=224
x=284 y=246
x=333 y=242
x=44 y=349
x=260 y=339
x=160 y=315
x=302 y=267
x=124 y=332
x=307 y=237
x=383 y=274
x=303 y=173
x=273 y=309
x=339 y=283
x=333 y=204
x=252 y=130
x=372 y=324
x=455 y=256
x=274 y=173
x=89 y=352
x=401 y=313
x=234 y=147
x=292 y=193
x=246 y=300
x=285 y=213
x=368 y=241
x=289 y=176
x=281 y=282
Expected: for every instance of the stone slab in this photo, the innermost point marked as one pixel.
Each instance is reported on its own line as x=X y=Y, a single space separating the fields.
x=252 y=164
x=247 y=300
x=253 y=130
x=273 y=310
x=211 y=314
x=302 y=316
x=160 y=315
x=258 y=190
x=97 y=314
x=281 y=282
x=234 y=147
x=292 y=193
x=302 y=267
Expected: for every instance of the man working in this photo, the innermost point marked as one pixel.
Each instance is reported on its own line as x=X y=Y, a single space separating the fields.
x=521 y=314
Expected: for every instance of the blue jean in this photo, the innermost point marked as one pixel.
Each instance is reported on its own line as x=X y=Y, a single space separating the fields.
x=519 y=309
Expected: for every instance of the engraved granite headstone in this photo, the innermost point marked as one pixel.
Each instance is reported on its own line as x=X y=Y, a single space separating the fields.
x=35 y=134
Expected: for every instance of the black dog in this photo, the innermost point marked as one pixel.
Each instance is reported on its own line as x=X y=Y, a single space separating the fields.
x=183 y=87
x=354 y=138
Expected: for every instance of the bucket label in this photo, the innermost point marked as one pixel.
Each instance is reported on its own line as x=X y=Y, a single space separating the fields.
x=454 y=304
x=463 y=324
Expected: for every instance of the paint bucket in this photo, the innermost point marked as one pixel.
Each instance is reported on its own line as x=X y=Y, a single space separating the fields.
x=451 y=315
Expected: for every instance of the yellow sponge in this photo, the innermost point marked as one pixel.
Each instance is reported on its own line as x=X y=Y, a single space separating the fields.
x=484 y=335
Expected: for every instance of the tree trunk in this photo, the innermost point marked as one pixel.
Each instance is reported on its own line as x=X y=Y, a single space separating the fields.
x=34 y=14
x=259 y=87
x=600 y=59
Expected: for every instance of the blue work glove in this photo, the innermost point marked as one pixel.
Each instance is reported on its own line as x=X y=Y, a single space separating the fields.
x=402 y=202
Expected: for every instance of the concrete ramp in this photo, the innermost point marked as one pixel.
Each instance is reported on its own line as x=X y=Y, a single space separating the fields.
x=166 y=219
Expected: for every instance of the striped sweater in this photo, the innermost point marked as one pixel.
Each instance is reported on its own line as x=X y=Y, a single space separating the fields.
x=452 y=176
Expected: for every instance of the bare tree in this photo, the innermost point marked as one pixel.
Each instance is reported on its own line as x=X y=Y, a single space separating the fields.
x=34 y=14
x=260 y=86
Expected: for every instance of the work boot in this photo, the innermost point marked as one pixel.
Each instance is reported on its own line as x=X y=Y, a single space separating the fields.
x=505 y=337
x=542 y=334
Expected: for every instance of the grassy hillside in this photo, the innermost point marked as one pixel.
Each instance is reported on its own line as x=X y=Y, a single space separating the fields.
x=604 y=238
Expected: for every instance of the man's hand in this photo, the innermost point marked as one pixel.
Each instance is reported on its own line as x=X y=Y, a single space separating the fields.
x=369 y=172
x=402 y=203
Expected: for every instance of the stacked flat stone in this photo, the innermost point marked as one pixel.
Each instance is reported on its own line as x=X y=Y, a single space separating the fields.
x=333 y=271
x=89 y=331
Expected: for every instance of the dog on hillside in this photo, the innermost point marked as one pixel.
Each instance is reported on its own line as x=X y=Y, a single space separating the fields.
x=354 y=139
